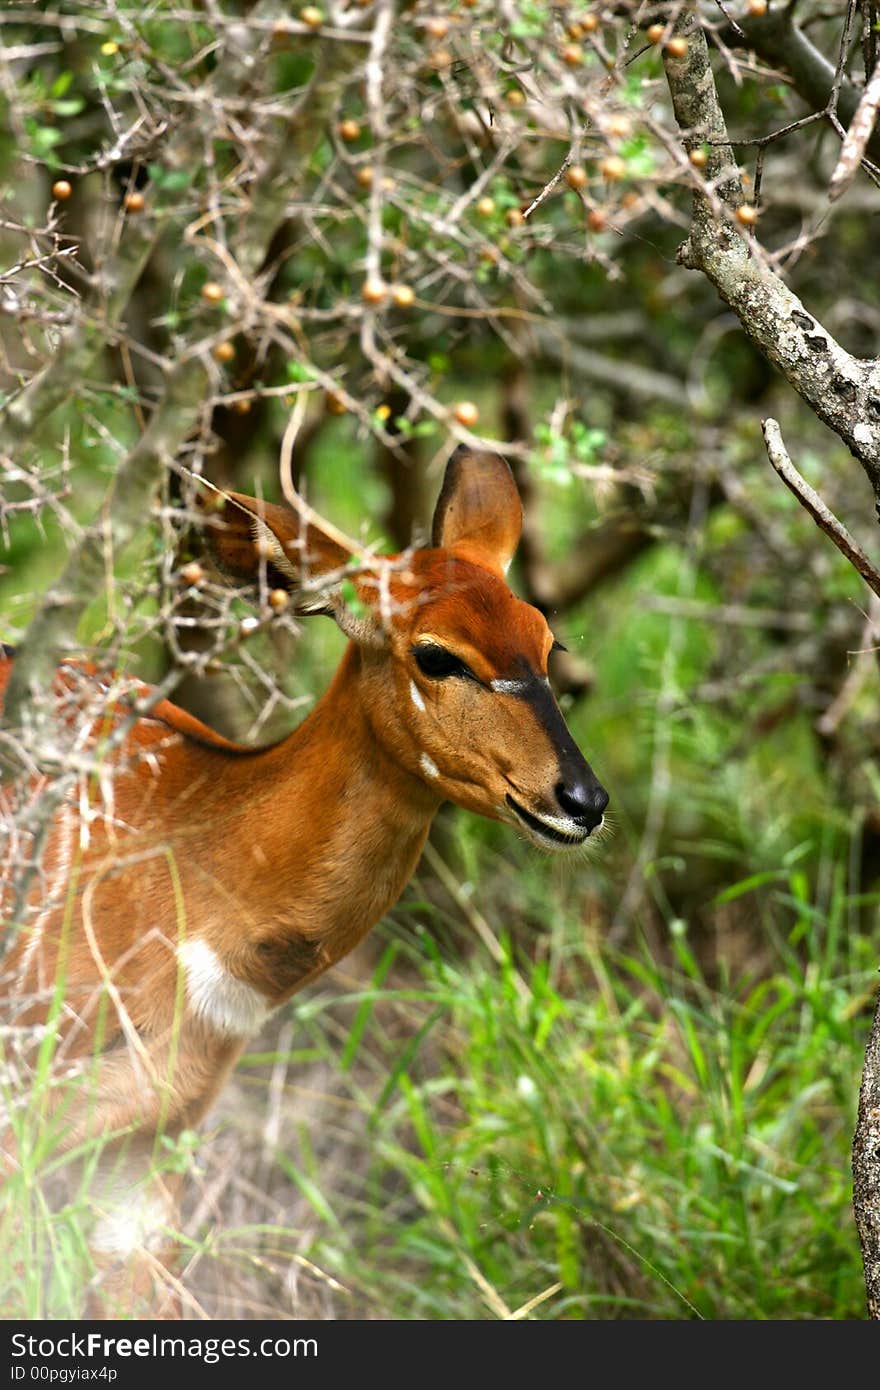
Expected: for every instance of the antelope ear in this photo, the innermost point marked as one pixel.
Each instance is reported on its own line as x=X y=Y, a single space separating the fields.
x=478 y=511
x=247 y=535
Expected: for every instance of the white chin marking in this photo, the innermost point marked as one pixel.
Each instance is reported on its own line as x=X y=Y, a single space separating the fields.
x=573 y=833
x=416 y=696
x=428 y=766
x=218 y=998
x=558 y=846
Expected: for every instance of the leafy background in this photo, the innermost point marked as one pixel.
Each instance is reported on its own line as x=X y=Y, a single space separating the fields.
x=622 y=1085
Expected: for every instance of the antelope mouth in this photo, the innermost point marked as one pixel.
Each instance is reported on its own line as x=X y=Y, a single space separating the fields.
x=555 y=831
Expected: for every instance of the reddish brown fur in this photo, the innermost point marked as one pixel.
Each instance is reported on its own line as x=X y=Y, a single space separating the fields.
x=281 y=860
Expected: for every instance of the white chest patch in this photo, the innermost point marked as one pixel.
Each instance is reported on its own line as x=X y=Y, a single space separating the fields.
x=218 y=998
x=428 y=766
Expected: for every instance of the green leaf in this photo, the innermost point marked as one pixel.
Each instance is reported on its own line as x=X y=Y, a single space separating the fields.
x=169 y=180
x=70 y=106
x=298 y=371
x=61 y=84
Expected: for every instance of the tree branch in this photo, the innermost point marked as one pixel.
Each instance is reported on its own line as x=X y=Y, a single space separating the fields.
x=841 y=389
x=866 y=1168
x=52 y=632
x=812 y=502
x=115 y=281
x=627 y=379
x=777 y=39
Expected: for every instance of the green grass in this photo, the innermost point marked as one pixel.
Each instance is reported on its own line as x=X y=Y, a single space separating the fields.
x=645 y=1114
x=606 y=1130
x=654 y=1145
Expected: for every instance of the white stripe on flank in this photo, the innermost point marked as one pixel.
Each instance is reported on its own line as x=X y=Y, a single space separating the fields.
x=416 y=696
x=218 y=998
x=428 y=766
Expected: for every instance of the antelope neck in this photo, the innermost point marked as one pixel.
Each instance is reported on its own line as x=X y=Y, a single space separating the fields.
x=337 y=823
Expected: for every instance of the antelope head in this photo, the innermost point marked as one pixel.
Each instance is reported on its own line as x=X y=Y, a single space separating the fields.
x=452 y=666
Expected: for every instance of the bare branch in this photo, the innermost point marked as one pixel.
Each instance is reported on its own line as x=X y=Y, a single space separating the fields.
x=866 y=1168
x=812 y=502
x=843 y=390
x=777 y=39
x=857 y=137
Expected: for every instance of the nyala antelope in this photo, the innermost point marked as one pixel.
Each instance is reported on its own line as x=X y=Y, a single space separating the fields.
x=219 y=880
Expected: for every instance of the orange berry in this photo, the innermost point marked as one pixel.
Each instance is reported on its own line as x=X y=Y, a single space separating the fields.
x=514 y=218
x=575 y=30
x=515 y=97
x=590 y=23
x=437 y=27
x=224 y=352
x=654 y=33
x=278 y=600
x=466 y=413
x=374 y=291
x=364 y=176
x=349 y=130
x=618 y=126
x=312 y=16
x=388 y=184
x=596 y=220
x=212 y=293
x=698 y=158
x=613 y=168
x=61 y=190
x=192 y=573
x=242 y=406
x=134 y=202
x=576 y=176
x=677 y=48
x=572 y=54
x=747 y=214
x=757 y=8
x=485 y=206
x=404 y=296
x=334 y=404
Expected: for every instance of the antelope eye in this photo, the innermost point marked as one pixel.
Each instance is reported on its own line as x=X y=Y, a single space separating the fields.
x=437 y=662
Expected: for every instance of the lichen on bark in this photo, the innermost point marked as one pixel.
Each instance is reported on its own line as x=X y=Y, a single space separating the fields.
x=843 y=390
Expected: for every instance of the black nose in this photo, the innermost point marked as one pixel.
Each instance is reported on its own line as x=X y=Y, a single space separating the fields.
x=583 y=801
